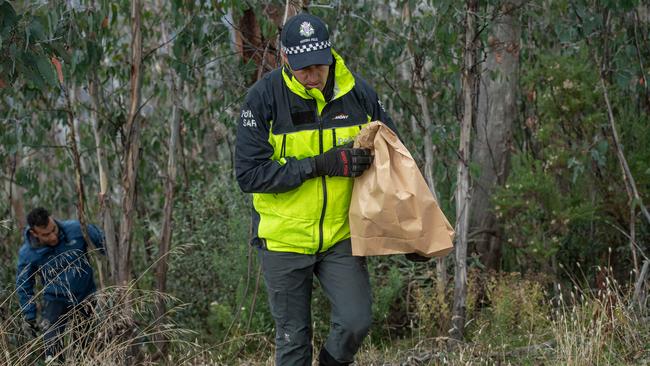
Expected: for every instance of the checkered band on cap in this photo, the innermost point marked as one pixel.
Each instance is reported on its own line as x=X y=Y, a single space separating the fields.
x=306 y=48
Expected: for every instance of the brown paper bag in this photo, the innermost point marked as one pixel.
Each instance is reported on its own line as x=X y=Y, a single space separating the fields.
x=392 y=209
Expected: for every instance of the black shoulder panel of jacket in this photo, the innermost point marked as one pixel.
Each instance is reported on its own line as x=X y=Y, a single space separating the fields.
x=374 y=106
x=255 y=171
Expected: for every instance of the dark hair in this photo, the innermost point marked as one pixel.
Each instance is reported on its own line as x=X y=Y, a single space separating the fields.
x=38 y=217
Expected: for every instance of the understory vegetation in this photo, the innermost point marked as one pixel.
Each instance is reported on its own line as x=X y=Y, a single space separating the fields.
x=512 y=318
x=555 y=272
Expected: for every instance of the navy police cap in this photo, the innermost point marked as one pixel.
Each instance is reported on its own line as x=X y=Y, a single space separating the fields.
x=306 y=41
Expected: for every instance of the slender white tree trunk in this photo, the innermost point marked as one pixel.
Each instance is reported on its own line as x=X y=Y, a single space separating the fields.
x=108 y=224
x=463 y=183
x=170 y=184
x=417 y=70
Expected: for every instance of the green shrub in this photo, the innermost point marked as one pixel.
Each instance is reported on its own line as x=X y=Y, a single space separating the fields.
x=516 y=312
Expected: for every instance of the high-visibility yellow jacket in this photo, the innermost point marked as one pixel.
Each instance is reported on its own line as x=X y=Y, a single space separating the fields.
x=281 y=127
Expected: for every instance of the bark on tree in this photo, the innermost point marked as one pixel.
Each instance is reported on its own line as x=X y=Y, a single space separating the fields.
x=105 y=213
x=463 y=184
x=497 y=110
x=170 y=187
x=131 y=149
x=640 y=292
x=251 y=44
x=16 y=191
x=418 y=72
x=76 y=159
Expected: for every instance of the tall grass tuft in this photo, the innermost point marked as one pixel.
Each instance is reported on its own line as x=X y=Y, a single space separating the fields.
x=114 y=326
x=600 y=326
x=120 y=330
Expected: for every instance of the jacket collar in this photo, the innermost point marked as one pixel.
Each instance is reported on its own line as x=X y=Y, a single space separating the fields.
x=343 y=82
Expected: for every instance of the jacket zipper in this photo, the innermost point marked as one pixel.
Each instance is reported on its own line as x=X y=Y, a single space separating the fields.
x=283 y=149
x=322 y=214
x=334 y=137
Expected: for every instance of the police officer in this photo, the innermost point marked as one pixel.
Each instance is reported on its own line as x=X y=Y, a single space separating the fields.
x=294 y=154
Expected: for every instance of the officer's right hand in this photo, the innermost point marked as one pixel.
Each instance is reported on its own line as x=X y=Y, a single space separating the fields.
x=344 y=161
x=29 y=328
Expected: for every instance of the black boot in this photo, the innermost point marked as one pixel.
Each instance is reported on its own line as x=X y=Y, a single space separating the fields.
x=325 y=359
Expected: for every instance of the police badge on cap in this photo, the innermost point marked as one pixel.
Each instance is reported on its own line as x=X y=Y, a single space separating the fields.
x=306 y=41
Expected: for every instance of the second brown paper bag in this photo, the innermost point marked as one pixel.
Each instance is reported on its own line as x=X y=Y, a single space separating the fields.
x=392 y=209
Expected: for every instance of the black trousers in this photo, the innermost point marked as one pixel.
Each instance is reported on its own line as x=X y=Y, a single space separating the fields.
x=56 y=316
x=345 y=281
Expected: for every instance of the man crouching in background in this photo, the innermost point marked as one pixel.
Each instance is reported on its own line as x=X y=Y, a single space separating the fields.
x=57 y=252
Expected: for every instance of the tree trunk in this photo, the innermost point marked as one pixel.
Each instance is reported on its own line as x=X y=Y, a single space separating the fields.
x=441 y=264
x=15 y=191
x=497 y=109
x=170 y=185
x=247 y=35
x=131 y=150
x=104 y=184
x=463 y=184
x=418 y=72
x=16 y=200
x=76 y=159
x=252 y=46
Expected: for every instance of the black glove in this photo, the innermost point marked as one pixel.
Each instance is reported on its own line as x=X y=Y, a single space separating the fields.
x=343 y=161
x=29 y=328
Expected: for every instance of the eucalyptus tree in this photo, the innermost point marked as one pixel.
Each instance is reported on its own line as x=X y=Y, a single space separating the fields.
x=469 y=88
x=497 y=111
x=568 y=200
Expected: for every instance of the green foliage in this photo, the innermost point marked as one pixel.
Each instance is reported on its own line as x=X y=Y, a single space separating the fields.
x=538 y=219
x=211 y=273
x=564 y=200
x=433 y=309
x=516 y=314
x=387 y=287
x=220 y=316
x=28 y=40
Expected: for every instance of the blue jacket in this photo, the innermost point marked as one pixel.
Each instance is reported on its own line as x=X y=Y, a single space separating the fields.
x=66 y=274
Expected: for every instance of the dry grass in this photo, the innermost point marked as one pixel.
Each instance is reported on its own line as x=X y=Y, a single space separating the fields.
x=120 y=330
x=523 y=326
x=519 y=324
x=600 y=326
